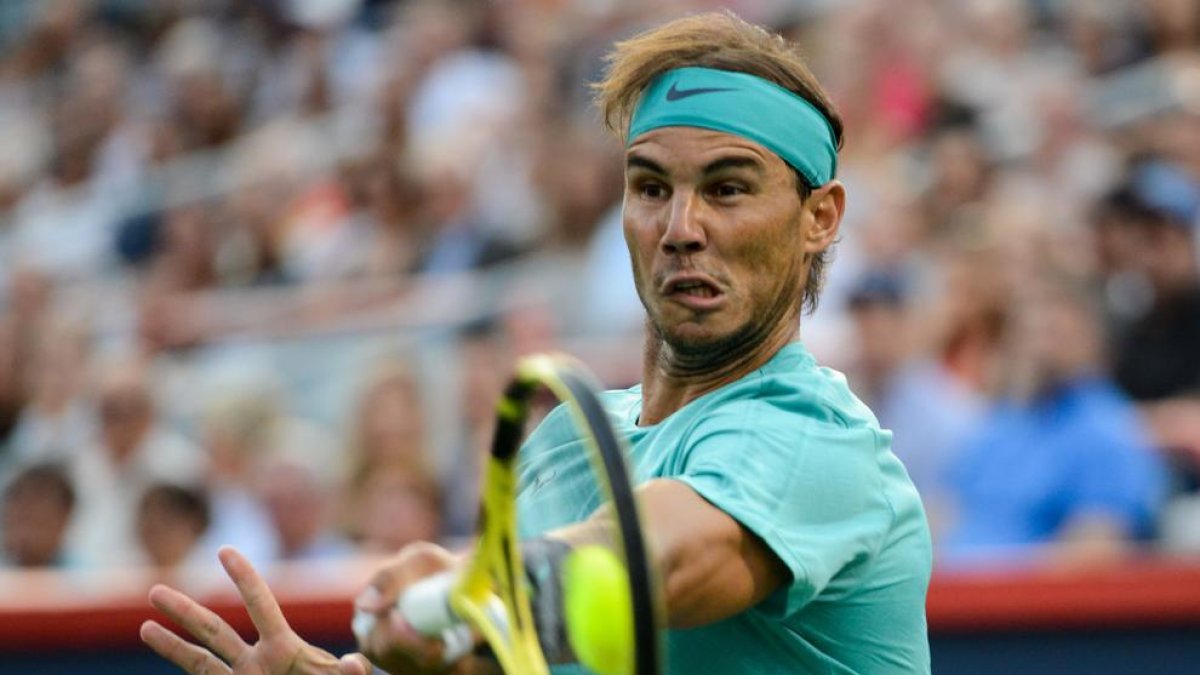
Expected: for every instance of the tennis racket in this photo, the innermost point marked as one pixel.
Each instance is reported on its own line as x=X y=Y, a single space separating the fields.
x=489 y=597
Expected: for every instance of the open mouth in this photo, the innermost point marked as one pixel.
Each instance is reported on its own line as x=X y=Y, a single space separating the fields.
x=697 y=291
x=694 y=288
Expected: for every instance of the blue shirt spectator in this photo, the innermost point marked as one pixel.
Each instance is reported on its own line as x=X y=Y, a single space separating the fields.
x=1036 y=467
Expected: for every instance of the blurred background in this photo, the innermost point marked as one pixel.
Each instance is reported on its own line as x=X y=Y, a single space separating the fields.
x=266 y=264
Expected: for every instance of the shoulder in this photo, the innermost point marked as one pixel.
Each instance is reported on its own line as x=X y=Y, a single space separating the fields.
x=557 y=427
x=168 y=456
x=791 y=392
x=1098 y=405
x=791 y=418
x=1110 y=421
x=790 y=431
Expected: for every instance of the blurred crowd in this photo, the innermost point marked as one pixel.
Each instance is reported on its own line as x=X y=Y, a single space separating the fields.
x=267 y=262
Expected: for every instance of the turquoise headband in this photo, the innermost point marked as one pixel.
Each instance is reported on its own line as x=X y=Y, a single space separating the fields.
x=746 y=106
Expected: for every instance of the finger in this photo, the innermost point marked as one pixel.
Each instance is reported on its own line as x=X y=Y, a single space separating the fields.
x=393 y=639
x=354 y=664
x=187 y=656
x=416 y=561
x=256 y=595
x=396 y=646
x=200 y=621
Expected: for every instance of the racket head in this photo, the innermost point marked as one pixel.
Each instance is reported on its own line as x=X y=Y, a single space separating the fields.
x=608 y=457
x=494 y=578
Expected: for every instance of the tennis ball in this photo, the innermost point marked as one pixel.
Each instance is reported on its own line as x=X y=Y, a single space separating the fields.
x=599 y=610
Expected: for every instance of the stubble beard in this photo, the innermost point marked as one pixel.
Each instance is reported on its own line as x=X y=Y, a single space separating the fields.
x=689 y=358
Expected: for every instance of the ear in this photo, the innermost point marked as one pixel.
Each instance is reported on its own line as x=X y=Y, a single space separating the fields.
x=826 y=205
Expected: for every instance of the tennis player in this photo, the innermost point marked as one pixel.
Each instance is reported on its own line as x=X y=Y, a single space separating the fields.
x=788 y=536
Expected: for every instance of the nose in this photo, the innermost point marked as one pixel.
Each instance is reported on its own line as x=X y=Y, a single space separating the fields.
x=684 y=233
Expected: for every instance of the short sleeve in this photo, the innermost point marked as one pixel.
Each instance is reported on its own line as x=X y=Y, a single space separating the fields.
x=809 y=485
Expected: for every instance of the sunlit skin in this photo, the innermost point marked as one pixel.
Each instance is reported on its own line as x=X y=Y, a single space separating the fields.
x=721 y=243
x=724 y=215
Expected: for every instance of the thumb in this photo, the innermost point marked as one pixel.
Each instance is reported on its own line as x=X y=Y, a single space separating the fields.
x=354 y=664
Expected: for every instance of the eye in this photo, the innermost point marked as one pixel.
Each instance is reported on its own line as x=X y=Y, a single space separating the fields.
x=652 y=190
x=727 y=190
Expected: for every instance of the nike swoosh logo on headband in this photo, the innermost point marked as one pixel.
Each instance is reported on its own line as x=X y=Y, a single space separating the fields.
x=675 y=94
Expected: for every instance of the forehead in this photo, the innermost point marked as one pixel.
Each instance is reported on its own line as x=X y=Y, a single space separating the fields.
x=681 y=148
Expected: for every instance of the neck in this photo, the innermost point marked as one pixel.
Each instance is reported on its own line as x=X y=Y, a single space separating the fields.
x=673 y=377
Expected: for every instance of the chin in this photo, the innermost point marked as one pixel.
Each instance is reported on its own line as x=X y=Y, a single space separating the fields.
x=715 y=338
x=696 y=338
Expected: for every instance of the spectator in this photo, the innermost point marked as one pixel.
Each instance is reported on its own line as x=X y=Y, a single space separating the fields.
x=171 y=521
x=65 y=223
x=392 y=210
x=961 y=176
x=1060 y=469
x=24 y=325
x=457 y=240
x=1157 y=355
x=1171 y=26
x=185 y=259
x=132 y=450
x=202 y=108
x=313 y=158
x=238 y=428
x=577 y=176
x=56 y=418
x=364 y=225
x=38 y=504
x=394 y=504
x=1100 y=34
x=298 y=493
x=1156 y=303
x=389 y=423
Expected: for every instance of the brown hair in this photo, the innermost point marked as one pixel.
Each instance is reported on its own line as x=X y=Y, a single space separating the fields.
x=722 y=41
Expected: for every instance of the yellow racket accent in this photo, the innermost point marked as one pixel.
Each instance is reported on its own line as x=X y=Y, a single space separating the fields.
x=496 y=570
x=603 y=617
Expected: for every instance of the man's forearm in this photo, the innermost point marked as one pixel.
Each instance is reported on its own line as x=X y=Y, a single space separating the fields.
x=709 y=565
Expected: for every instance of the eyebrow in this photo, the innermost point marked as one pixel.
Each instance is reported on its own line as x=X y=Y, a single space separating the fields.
x=733 y=163
x=641 y=162
x=712 y=167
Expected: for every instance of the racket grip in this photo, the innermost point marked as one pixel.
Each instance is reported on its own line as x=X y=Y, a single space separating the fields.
x=426 y=604
x=426 y=607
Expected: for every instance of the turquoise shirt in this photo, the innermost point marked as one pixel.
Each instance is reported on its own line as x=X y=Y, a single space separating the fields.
x=791 y=454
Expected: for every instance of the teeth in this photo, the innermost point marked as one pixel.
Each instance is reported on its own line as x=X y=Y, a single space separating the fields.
x=695 y=288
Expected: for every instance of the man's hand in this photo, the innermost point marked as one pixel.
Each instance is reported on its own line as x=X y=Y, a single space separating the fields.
x=393 y=644
x=279 y=651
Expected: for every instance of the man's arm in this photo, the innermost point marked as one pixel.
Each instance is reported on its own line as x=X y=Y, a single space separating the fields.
x=712 y=567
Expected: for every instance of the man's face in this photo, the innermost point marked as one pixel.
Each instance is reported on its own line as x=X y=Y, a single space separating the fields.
x=714 y=225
